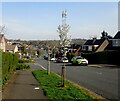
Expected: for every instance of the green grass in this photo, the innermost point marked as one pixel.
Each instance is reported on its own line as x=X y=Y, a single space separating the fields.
x=51 y=85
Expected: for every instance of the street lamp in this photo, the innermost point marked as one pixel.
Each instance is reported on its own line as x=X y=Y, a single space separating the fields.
x=48 y=67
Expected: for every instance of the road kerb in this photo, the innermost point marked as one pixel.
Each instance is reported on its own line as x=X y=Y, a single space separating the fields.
x=87 y=91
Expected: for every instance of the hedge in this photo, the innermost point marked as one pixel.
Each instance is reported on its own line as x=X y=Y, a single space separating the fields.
x=9 y=65
x=26 y=61
x=22 y=66
x=0 y=71
x=105 y=57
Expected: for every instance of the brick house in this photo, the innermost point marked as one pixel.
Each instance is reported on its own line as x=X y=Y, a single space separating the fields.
x=115 y=42
x=95 y=45
x=11 y=48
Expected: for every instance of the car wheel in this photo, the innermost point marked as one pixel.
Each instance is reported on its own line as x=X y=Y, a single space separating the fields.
x=77 y=63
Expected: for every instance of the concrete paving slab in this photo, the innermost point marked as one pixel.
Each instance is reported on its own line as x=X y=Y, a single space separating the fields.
x=23 y=87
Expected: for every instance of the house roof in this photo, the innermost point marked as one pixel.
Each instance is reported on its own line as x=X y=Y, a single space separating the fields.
x=117 y=36
x=10 y=47
x=94 y=42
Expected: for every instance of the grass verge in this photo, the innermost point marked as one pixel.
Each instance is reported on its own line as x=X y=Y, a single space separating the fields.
x=51 y=85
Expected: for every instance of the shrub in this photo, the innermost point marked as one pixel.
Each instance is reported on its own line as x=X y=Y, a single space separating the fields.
x=24 y=60
x=22 y=67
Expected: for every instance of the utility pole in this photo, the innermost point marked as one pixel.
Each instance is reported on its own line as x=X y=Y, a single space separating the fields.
x=48 y=67
x=64 y=41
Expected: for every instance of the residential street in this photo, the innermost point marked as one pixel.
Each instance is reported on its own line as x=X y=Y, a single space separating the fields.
x=102 y=79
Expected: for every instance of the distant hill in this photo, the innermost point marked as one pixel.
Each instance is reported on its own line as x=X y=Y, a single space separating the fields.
x=52 y=43
x=78 y=41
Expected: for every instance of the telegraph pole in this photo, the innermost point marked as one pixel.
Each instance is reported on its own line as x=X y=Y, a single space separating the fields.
x=48 y=67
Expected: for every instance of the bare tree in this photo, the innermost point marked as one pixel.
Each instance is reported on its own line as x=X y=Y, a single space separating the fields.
x=2 y=29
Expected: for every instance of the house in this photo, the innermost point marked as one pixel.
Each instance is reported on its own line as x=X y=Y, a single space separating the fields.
x=95 y=45
x=114 y=42
x=2 y=43
x=11 y=48
x=75 y=48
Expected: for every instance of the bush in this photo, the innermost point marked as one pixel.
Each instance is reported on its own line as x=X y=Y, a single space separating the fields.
x=22 y=67
x=24 y=60
x=9 y=65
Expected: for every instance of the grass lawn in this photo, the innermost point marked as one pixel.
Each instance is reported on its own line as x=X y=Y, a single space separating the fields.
x=51 y=85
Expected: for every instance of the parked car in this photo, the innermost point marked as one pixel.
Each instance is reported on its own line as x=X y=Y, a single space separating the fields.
x=64 y=59
x=52 y=59
x=58 y=59
x=45 y=57
x=79 y=60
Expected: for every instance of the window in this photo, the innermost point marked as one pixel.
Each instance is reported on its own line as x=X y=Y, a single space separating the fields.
x=116 y=43
x=90 y=48
x=83 y=47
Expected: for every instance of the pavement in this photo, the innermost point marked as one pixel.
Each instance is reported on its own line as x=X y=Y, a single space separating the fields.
x=110 y=66
x=23 y=86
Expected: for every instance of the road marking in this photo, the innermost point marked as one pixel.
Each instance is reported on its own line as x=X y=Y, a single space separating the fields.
x=94 y=65
x=40 y=66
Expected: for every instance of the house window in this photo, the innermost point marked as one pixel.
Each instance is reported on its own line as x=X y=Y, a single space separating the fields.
x=90 y=48
x=83 y=47
x=116 y=43
x=95 y=47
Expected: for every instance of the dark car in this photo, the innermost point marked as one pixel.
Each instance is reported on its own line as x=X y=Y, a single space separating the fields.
x=45 y=57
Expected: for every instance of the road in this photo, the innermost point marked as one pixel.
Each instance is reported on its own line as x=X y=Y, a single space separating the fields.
x=101 y=79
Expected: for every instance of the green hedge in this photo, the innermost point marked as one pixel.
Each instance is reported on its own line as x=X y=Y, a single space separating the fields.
x=0 y=71
x=22 y=67
x=26 y=61
x=9 y=64
x=105 y=57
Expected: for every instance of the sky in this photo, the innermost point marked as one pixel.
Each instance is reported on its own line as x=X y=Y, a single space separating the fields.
x=40 y=20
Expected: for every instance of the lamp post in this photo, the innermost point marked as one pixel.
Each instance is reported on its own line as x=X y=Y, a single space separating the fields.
x=48 y=67
x=64 y=41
